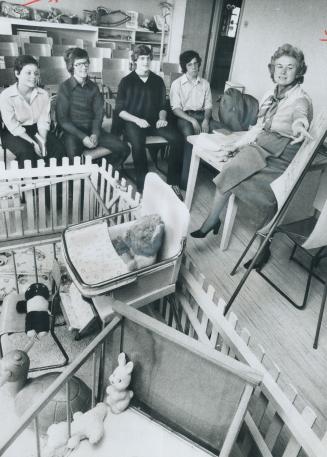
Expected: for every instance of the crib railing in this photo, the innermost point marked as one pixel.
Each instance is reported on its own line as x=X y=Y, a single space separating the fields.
x=92 y=350
x=273 y=426
x=42 y=201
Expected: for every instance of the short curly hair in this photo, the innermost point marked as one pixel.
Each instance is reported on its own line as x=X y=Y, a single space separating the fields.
x=291 y=51
x=186 y=58
x=141 y=50
x=73 y=54
x=21 y=61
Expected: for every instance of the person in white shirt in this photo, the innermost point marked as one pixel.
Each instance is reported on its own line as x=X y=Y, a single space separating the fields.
x=25 y=112
x=191 y=102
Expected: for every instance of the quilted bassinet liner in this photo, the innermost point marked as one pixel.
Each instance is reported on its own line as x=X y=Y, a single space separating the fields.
x=92 y=260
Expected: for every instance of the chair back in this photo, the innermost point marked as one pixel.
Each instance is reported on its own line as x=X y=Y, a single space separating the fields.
x=99 y=52
x=112 y=78
x=168 y=67
x=51 y=62
x=73 y=43
x=53 y=76
x=8 y=49
x=287 y=184
x=7 y=77
x=187 y=385
x=116 y=64
x=121 y=54
x=37 y=49
x=9 y=61
x=60 y=49
x=159 y=198
x=41 y=39
x=7 y=39
x=95 y=68
x=106 y=44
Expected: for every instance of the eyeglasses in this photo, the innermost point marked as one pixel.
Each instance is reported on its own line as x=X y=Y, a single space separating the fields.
x=81 y=64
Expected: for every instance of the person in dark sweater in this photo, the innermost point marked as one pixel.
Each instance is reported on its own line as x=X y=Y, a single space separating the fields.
x=141 y=105
x=79 y=111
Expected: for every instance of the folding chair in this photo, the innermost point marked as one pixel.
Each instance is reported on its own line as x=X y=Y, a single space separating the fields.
x=285 y=188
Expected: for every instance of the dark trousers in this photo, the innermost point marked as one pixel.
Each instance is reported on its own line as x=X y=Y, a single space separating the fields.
x=137 y=136
x=23 y=150
x=186 y=129
x=118 y=149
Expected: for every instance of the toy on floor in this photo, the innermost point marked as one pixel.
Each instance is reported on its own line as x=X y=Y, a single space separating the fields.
x=14 y=370
x=118 y=396
x=88 y=425
x=36 y=307
x=140 y=244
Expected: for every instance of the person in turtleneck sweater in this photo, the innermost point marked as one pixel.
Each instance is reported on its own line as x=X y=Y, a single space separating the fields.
x=264 y=152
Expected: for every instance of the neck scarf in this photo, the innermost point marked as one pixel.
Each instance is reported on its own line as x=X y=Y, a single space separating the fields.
x=270 y=106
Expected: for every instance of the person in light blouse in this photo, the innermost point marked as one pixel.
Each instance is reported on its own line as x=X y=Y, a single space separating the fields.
x=25 y=112
x=263 y=153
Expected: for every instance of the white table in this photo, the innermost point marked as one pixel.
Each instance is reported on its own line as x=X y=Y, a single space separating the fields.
x=209 y=157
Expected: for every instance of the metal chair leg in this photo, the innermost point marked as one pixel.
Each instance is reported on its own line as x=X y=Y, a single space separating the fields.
x=243 y=254
x=321 y=313
x=246 y=274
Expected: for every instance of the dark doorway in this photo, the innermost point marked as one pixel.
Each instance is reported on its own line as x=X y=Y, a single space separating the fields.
x=225 y=44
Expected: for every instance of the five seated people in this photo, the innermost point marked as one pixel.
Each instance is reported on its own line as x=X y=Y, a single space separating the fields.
x=141 y=110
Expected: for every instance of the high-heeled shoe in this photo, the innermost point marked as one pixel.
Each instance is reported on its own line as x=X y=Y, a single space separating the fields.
x=263 y=258
x=200 y=234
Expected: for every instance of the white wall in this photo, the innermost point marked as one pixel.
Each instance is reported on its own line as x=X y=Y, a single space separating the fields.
x=266 y=24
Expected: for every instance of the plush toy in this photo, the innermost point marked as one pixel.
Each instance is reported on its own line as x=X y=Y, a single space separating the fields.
x=140 y=244
x=118 y=396
x=88 y=425
x=36 y=307
x=57 y=437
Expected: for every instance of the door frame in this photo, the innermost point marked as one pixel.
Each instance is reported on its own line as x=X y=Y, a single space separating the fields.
x=212 y=42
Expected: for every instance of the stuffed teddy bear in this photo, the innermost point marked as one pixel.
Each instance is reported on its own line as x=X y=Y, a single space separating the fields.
x=88 y=425
x=140 y=244
x=118 y=396
x=84 y=425
x=36 y=307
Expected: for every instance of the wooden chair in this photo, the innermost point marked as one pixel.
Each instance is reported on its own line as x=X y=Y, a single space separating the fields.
x=51 y=62
x=52 y=77
x=41 y=39
x=285 y=188
x=73 y=42
x=168 y=67
x=8 y=49
x=121 y=54
x=111 y=79
x=99 y=53
x=7 y=39
x=59 y=49
x=9 y=61
x=106 y=44
x=194 y=390
x=37 y=49
x=7 y=77
x=116 y=64
x=95 y=69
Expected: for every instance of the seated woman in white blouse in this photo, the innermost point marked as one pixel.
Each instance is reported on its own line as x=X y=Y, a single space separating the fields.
x=25 y=111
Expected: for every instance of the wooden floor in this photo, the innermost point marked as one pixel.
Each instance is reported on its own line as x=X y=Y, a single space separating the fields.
x=285 y=333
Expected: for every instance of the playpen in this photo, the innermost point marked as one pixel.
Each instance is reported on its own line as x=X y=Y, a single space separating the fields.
x=272 y=425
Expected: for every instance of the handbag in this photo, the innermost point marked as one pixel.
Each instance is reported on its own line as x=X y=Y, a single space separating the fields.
x=237 y=111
